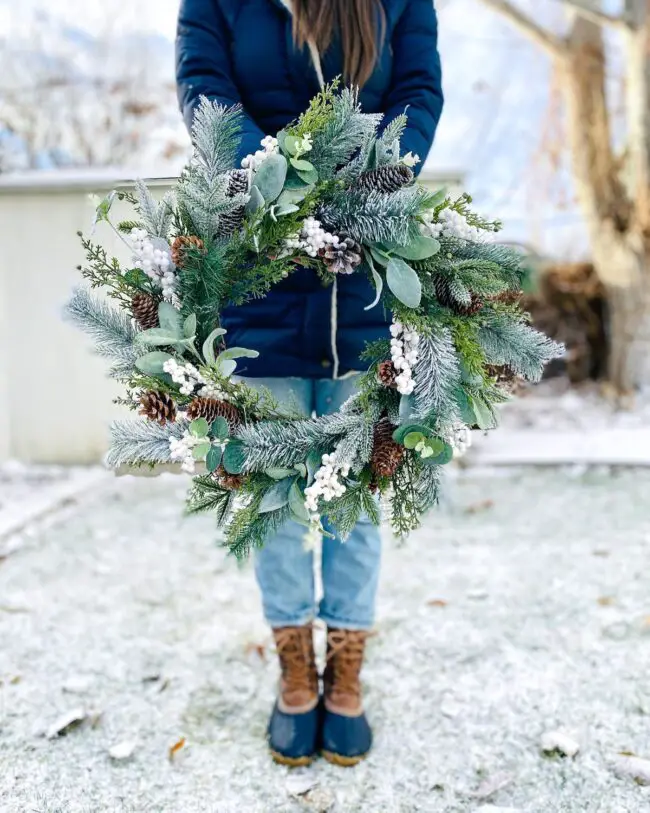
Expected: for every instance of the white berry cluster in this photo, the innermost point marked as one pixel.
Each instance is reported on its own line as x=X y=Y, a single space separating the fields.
x=404 y=354
x=452 y=224
x=461 y=439
x=326 y=485
x=254 y=161
x=180 y=451
x=189 y=379
x=312 y=238
x=156 y=263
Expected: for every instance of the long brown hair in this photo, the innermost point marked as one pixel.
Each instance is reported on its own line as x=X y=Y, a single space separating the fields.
x=360 y=24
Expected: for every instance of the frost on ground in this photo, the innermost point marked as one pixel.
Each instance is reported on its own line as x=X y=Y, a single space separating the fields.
x=521 y=613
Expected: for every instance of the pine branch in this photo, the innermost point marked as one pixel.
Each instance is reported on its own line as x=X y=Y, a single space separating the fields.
x=344 y=512
x=523 y=349
x=139 y=442
x=112 y=331
x=156 y=217
x=437 y=376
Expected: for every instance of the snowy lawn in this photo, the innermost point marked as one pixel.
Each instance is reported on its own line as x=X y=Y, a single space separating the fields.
x=522 y=608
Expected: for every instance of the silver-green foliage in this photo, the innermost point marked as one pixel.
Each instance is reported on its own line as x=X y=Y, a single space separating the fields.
x=517 y=345
x=347 y=130
x=203 y=187
x=156 y=216
x=141 y=441
x=112 y=331
x=437 y=377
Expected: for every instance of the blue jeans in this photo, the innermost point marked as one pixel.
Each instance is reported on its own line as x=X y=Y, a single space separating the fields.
x=350 y=569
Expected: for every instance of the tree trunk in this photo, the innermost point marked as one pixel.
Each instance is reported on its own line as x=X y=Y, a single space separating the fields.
x=624 y=271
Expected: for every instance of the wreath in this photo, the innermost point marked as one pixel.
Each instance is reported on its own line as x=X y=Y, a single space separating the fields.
x=330 y=192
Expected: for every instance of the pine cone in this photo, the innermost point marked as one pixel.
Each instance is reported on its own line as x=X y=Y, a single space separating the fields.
x=386 y=179
x=238 y=183
x=507 y=297
x=180 y=246
x=469 y=310
x=145 y=310
x=445 y=298
x=231 y=222
x=158 y=407
x=343 y=257
x=211 y=409
x=231 y=482
x=387 y=374
x=386 y=453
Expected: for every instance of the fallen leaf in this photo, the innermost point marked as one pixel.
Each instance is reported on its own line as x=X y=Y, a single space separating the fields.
x=637 y=768
x=559 y=742
x=65 y=723
x=606 y=601
x=492 y=785
x=153 y=678
x=298 y=784
x=95 y=717
x=437 y=602
x=15 y=680
x=164 y=685
x=478 y=507
x=602 y=553
x=121 y=751
x=175 y=748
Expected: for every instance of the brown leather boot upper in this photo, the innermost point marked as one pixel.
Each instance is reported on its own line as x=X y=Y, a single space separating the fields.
x=342 y=683
x=299 y=679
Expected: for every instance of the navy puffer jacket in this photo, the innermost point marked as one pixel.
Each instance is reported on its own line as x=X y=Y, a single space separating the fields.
x=241 y=51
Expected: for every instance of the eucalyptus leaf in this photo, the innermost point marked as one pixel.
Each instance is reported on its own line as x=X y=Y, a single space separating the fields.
x=152 y=363
x=189 y=326
x=208 y=345
x=406 y=408
x=421 y=248
x=412 y=439
x=297 y=502
x=281 y=210
x=226 y=367
x=290 y=144
x=199 y=428
x=290 y=196
x=441 y=459
x=282 y=139
x=213 y=459
x=276 y=497
x=200 y=451
x=484 y=416
x=220 y=429
x=169 y=318
x=465 y=408
x=156 y=336
x=269 y=178
x=302 y=470
x=313 y=464
x=301 y=165
x=234 y=457
x=404 y=282
x=256 y=200
x=436 y=445
x=377 y=279
x=309 y=178
x=379 y=256
x=238 y=353
x=408 y=428
x=278 y=473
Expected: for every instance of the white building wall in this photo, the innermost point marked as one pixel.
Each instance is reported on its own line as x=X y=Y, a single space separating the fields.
x=55 y=399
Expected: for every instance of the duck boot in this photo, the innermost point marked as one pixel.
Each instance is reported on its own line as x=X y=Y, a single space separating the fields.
x=293 y=728
x=346 y=737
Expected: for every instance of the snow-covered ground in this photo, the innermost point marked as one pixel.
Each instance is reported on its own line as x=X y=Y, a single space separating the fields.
x=520 y=609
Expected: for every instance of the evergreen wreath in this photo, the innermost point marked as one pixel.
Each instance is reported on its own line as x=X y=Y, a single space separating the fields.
x=331 y=192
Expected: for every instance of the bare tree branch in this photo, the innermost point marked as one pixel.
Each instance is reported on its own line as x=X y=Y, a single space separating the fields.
x=551 y=43
x=595 y=15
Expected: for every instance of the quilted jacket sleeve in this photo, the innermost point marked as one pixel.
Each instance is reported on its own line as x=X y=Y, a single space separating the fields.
x=203 y=65
x=416 y=85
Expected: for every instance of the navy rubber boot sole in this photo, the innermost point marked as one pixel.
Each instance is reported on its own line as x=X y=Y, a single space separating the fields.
x=293 y=738
x=344 y=741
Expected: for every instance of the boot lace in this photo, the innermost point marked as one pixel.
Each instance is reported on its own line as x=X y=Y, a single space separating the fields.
x=296 y=655
x=345 y=649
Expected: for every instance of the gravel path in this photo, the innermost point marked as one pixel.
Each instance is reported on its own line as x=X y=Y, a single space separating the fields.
x=522 y=608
